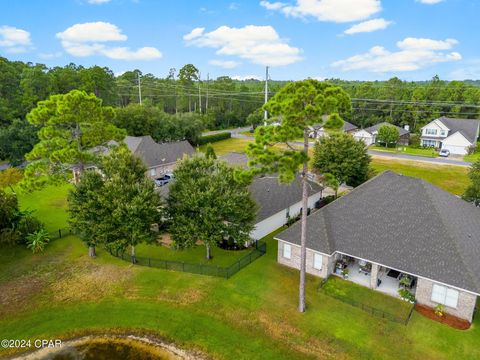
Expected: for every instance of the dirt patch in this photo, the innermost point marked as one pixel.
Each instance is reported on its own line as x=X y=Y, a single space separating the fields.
x=16 y=294
x=88 y=281
x=447 y=319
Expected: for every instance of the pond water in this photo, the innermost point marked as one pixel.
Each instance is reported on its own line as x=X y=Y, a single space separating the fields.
x=109 y=348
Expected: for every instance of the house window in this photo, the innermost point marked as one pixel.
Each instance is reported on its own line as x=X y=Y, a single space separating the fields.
x=153 y=172
x=443 y=133
x=429 y=143
x=287 y=251
x=445 y=296
x=317 y=261
x=430 y=131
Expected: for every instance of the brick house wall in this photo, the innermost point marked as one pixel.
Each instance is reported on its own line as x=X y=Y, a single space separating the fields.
x=465 y=306
x=294 y=261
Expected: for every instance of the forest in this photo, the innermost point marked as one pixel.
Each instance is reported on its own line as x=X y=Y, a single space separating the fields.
x=183 y=103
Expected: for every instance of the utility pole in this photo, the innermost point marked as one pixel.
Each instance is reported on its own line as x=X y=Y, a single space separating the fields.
x=206 y=101
x=199 y=95
x=265 y=114
x=139 y=89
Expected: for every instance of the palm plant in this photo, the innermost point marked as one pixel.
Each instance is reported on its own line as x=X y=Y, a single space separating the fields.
x=38 y=240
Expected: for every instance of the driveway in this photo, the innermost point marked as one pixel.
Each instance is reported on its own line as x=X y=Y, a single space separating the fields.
x=234 y=132
x=439 y=160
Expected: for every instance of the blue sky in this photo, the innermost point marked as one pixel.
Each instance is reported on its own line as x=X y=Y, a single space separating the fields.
x=348 y=39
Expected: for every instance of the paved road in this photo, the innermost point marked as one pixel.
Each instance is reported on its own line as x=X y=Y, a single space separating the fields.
x=234 y=132
x=439 y=160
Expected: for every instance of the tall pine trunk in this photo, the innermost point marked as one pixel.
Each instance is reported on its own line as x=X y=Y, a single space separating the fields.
x=134 y=258
x=303 y=237
x=207 y=246
x=91 y=251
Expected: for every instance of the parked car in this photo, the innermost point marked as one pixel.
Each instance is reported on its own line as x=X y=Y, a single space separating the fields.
x=165 y=179
x=444 y=153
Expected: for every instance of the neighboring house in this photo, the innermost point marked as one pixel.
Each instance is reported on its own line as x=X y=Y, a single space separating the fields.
x=394 y=226
x=160 y=158
x=317 y=131
x=276 y=202
x=369 y=135
x=455 y=135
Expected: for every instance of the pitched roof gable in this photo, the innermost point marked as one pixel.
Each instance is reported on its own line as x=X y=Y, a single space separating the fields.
x=467 y=127
x=374 y=128
x=404 y=223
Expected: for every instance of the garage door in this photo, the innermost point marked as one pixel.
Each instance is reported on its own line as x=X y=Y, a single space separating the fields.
x=456 y=150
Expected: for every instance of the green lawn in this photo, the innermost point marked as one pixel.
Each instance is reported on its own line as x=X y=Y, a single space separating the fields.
x=229 y=145
x=407 y=150
x=449 y=177
x=194 y=255
x=472 y=157
x=50 y=205
x=349 y=291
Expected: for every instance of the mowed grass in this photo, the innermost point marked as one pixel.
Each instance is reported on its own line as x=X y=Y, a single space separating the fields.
x=451 y=178
x=49 y=204
x=196 y=255
x=229 y=145
x=253 y=315
x=407 y=150
x=343 y=289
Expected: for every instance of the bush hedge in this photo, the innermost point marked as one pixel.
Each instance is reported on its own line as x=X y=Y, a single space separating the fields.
x=213 y=138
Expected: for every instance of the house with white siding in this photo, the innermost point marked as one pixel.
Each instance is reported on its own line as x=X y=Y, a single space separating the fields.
x=277 y=202
x=369 y=134
x=454 y=135
x=396 y=232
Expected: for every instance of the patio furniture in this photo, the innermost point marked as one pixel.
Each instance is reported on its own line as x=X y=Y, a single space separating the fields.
x=364 y=267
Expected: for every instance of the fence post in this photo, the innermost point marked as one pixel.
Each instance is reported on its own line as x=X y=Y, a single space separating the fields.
x=59 y=233
x=149 y=265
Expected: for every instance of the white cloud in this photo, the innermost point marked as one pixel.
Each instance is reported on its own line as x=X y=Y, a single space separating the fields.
x=413 y=54
x=327 y=10
x=195 y=33
x=469 y=70
x=89 y=39
x=92 y=32
x=246 y=77
x=48 y=56
x=226 y=64
x=368 y=26
x=98 y=2
x=258 y=44
x=430 y=2
x=14 y=40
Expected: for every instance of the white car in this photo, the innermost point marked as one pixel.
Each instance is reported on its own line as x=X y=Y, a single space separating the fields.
x=444 y=153
x=165 y=179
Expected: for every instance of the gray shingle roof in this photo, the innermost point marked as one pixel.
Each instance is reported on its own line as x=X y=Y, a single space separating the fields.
x=374 y=128
x=156 y=154
x=269 y=194
x=346 y=126
x=467 y=127
x=403 y=223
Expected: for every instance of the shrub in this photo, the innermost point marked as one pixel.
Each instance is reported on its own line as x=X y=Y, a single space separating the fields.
x=439 y=310
x=38 y=240
x=213 y=138
x=406 y=295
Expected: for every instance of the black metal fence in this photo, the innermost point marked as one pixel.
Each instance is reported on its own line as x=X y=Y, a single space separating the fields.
x=204 y=269
x=370 y=309
x=59 y=233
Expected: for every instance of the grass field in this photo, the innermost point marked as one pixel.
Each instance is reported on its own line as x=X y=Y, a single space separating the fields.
x=472 y=157
x=194 y=255
x=451 y=178
x=229 y=145
x=431 y=153
x=63 y=293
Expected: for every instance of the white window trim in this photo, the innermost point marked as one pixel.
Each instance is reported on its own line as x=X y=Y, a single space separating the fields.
x=315 y=257
x=445 y=296
x=429 y=131
x=287 y=254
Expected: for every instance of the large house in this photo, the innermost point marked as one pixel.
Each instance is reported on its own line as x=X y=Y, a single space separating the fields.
x=160 y=158
x=277 y=202
x=369 y=134
x=394 y=231
x=317 y=131
x=454 y=135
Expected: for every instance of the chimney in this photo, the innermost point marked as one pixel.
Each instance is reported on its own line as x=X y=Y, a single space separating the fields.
x=407 y=127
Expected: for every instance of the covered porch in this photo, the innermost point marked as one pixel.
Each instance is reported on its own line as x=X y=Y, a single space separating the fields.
x=374 y=276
